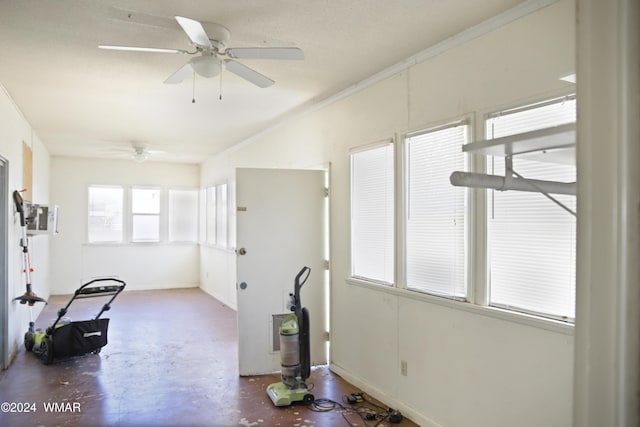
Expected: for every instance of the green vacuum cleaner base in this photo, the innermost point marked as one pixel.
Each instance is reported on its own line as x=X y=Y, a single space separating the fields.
x=281 y=395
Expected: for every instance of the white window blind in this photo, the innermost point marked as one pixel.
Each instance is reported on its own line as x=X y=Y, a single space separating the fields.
x=202 y=215
x=435 y=222
x=211 y=215
x=532 y=240
x=372 y=214
x=105 y=214
x=145 y=210
x=222 y=214
x=183 y=215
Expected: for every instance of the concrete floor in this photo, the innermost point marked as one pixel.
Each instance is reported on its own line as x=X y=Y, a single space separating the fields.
x=171 y=360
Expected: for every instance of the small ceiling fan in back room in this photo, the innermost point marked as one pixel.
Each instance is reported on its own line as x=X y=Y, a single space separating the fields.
x=135 y=150
x=211 y=54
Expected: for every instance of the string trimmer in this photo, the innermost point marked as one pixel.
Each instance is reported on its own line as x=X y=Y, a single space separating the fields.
x=29 y=297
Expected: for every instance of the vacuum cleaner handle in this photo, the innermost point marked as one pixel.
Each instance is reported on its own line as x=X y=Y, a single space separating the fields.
x=296 y=307
x=304 y=270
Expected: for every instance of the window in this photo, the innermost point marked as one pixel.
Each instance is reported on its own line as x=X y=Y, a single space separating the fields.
x=202 y=215
x=211 y=215
x=105 y=214
x=435 y=212
x=525 y=243
x=183 y=208
x=145 y=214
x=531 y=240
x=217 y=212
x=222 y=209
x=372 y=213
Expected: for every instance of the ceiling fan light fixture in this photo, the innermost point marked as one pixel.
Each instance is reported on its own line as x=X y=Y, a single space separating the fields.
x=141 y=156
x=206 y=65
x=140 y=153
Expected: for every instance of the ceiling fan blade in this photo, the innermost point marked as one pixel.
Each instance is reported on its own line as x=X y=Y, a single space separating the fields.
x=195 y=32
x=266 y=53
x=182 y=73
x=139 y=18
x=248 y=74
x=142 y=49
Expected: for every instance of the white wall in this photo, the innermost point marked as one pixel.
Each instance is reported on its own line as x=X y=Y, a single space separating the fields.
x=217 y=271
x=466 y=366
x=15 y=131
x=141 y=266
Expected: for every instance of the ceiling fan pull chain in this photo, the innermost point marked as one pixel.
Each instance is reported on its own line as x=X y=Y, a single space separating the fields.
x=193 y=99
x=220 y=97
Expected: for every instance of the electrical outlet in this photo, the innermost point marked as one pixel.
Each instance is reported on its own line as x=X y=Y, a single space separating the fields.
x=403 y=368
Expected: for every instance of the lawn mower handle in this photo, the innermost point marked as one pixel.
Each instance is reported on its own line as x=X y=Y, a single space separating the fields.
x=100 y=279
x=84 y=292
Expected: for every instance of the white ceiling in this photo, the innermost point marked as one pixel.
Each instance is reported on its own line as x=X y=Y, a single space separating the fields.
x=84 y=101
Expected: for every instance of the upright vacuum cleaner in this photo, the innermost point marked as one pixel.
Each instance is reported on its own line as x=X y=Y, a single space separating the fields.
x=295 y=356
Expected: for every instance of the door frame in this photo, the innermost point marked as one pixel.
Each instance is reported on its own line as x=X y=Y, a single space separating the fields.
x=4 y=263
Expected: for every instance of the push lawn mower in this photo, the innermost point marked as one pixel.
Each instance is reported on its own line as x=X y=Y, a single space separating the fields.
x=66 y=338
x=295 y=356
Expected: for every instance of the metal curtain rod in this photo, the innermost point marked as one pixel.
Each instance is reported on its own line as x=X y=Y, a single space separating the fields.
x=514 y=181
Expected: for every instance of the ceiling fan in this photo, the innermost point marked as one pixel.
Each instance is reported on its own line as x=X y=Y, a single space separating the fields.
x=137 y=150
x=212 y=54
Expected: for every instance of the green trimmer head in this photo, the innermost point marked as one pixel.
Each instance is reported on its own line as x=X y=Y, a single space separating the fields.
x=29 y=297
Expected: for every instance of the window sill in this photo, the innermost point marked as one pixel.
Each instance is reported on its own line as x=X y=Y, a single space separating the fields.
x=496 y=313
x=115 y=244
x=216 y=247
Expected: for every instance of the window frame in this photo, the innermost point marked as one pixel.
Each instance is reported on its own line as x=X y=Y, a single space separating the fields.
x=390 y=143
x=222 y=215
x=202 y=215
x=404 y=171
x=161 y=215
x=170 y=213
x=211 y=218
x=217 y=220
x=123 y=214
x=487 y=116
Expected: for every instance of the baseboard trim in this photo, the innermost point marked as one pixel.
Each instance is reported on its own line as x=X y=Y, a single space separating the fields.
x=383 y=397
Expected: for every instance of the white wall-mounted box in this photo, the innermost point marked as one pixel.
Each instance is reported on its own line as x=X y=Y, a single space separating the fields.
x=41 y=219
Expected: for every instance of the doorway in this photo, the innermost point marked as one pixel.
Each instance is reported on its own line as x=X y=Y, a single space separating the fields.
x=281 y=226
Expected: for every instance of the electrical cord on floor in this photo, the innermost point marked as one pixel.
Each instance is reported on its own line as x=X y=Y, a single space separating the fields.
x=328 y=405
x=393 y=415
x=325 y=405
x=358 y=404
